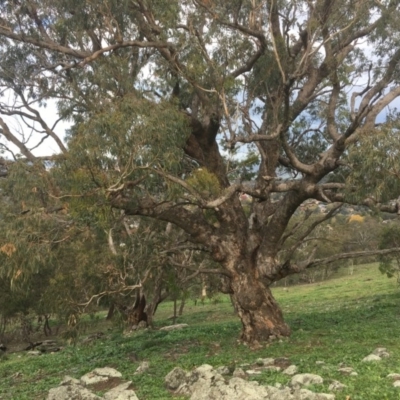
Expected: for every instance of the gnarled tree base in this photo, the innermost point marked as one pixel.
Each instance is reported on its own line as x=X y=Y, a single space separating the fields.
x=260 y=314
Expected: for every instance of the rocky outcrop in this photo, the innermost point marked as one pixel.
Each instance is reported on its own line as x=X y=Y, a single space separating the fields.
x=377 y=355
x=99 y=379
x=205 y=383
x=306 y=380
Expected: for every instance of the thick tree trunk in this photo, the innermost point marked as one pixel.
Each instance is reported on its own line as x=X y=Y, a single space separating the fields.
x=260 y=314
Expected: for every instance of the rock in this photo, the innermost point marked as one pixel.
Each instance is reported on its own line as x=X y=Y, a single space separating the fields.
x=108 y=378
x=354 y=373
x=396 y=384
x=175 y=378
x=34 y=353
x=265 y=361
x=236 y=389
x=320 y=362
x=291 y=370
x=173 y=327
x=68 y=380
x=346 y=370
x=142 y=325
x=336 y=386
x=143 y=367
x=305 y=380
x=371 y=357
x=272 y=368
x=239 y=373
x=99 y=375
x=204 y=383
x=223 y=370
x=381 y=352
x=121 y=392
x=253 y=372
x=395 y=376
x=72 y=391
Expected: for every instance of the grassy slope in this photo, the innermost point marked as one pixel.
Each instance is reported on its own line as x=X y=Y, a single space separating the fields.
x=342 y=320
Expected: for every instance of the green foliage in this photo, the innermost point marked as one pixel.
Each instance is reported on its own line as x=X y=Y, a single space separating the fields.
x=375 y=161
x=204 y=182
x=390 y=238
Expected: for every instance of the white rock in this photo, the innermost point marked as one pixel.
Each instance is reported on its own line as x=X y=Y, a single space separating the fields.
x=175 y=378
x=69 y=380
x=108 y=372
x=266 y=361
x=346 y=370
x=121 y=392
x=143 y=367
x=99 y=375
x=34 y=353
x=91 y=379
x=371 y=357
x=305 y=380
x=204 y=383
x=223 y=370
x=173 y=327
x=336 y=386
x=394 y=376
x=291 y=370
x=239 y=373
x=272 y=368
x=381 y=352
x=69 y=392
x=253 y=372
x=396 y=383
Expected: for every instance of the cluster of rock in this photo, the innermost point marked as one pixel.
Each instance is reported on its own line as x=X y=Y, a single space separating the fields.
x=377 y=355
x=209 y=383
x=98 y=379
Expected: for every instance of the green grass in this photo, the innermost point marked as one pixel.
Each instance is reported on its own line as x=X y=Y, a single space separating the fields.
x=339 y=321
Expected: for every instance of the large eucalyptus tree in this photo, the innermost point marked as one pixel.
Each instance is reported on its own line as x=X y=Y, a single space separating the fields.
x=159 y=93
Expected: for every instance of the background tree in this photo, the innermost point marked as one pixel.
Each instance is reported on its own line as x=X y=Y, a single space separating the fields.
x=390 y=238
x=154 y=89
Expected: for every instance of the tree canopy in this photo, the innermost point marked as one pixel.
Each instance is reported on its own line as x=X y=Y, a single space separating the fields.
x=163 y=99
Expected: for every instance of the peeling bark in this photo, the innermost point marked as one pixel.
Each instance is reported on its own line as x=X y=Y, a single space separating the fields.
x=260 y=314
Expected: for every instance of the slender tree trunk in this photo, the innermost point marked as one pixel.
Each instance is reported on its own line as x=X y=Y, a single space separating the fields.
x=182 y=305
x=175 y=307
x=110 y=312
x=260 y=314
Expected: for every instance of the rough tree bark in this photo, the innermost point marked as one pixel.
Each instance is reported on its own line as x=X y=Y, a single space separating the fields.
x=260 y=314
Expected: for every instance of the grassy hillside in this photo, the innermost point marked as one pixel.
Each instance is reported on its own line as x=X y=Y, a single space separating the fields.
x=339 y=321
